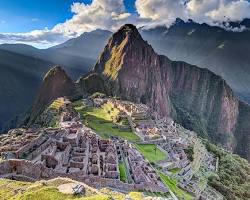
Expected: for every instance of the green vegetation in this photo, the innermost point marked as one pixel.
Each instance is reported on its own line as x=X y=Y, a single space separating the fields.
x=151 y=152
x=103 y=121
x=48 y=190
x=172 y=185
x=175 y=170
x=233 y=180
x=57 y=104
x=190 y=153
x=98 y=94
x=123 y=174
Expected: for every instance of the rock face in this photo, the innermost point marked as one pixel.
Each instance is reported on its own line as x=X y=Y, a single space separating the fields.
x=56 y=83
x=91 y=84
x=195 y=97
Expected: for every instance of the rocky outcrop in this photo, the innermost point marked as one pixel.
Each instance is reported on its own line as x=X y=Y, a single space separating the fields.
x=91 y=84
x=195 y=97
x=56 y=83
x=242 y=133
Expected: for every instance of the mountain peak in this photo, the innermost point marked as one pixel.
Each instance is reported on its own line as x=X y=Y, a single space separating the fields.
x=56 y=83
x=128 y=32
x=125 y=42
x=55 y=71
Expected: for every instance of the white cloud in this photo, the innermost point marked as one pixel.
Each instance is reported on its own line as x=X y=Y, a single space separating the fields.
x=104 y=14
x=161 y=11
x=111 y=14
x=209 y=11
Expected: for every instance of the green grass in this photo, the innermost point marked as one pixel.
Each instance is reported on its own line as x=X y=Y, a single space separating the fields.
x=102 y=121
x=172 y=184
x=175 y=170
x=122 y=169
x=148 y=151
x=47 y=190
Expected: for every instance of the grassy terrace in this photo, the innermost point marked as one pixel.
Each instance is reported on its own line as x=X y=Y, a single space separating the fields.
x=101 y=120
x=172 y=184
x=151 y=152
x=123 y=174
x=175 y=170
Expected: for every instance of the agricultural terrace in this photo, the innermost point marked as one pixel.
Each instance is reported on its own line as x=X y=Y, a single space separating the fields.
x=172 y=184
x=59 y=102
x=104 y=122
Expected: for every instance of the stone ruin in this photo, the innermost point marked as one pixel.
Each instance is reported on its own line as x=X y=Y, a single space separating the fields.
x=77 y=152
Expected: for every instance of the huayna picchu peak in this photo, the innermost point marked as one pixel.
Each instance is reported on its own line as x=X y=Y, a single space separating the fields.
x=136 y=126
x=56 y=83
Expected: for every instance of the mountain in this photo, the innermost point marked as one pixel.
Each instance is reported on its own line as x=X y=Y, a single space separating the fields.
x=195 y=97
x=73 y=63
x=222 y=51
x=21 y=70
x=23 y=66
x=56 y=83
x=89 y=44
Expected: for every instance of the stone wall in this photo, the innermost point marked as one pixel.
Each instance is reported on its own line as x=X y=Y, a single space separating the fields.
x=39 y=149
x=29 y=171
x=26 y=148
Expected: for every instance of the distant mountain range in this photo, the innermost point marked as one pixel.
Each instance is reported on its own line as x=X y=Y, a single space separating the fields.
x=223 y=52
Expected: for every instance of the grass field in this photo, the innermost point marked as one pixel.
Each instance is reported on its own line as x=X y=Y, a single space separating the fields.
x=48 y=190
x=172 y=184
x=101 y=120
x=122 y=169
x=148 y=151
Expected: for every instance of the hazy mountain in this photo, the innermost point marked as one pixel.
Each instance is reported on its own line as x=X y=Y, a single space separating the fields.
x=78 y=65
x=195 y=97
x=88 y=45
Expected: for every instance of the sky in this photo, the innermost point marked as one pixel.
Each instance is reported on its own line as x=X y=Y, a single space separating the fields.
x=44 y=23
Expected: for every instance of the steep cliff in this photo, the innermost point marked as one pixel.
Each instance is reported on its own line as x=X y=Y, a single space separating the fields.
x=195 y=97
x=56 y=83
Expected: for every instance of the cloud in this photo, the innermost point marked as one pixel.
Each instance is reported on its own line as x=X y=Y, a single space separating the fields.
x=212 y=12
x=103 y=14
x=111 y=14
x=42 y=37
x=161 y=11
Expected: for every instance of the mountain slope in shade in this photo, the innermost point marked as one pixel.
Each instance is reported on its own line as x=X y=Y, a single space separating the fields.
x=74 y=64
x=195 y=97
x=20 y=77
x=223 y=52
x=56 y=83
